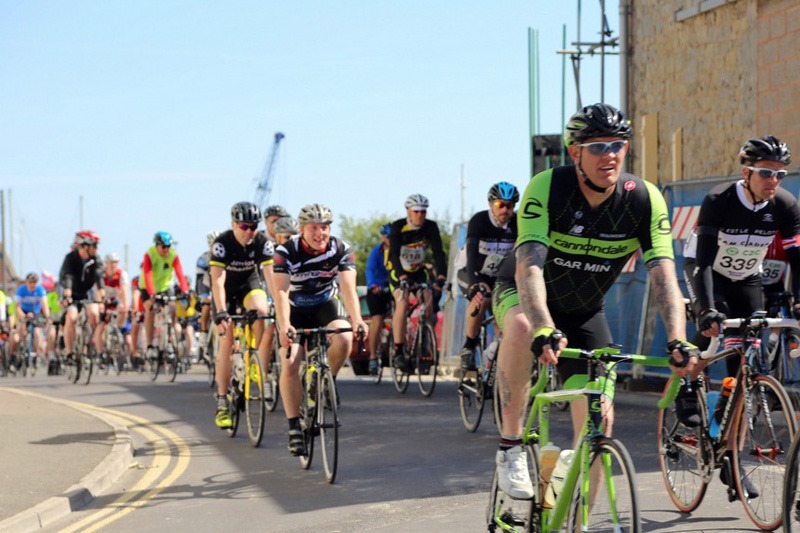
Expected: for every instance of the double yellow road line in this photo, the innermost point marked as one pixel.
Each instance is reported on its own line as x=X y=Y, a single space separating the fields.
x=170 y=456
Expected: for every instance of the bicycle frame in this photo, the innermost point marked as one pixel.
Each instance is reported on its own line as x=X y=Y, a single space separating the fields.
x=553 y=519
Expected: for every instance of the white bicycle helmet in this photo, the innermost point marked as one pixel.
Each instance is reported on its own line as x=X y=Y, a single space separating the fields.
x=315 y=213
x=416 y=201
x=212 y=236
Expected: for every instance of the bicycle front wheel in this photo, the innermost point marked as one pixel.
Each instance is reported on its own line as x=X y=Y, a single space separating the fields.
x=610 y=503
x=400 y=378
x=172 y=362
x=328 y=422
x=427 y=360
x=791 y=492
x=308 y=419
x=273 y=379
x=683 y=453
x=766 y=425
x=471 y=399
x=507 y=514
x=254 y=405
x=87 y=364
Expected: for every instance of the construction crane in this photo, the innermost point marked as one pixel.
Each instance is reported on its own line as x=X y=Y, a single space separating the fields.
x=264 y=182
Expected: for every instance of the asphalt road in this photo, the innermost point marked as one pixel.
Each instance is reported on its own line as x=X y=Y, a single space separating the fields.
x=406 y=464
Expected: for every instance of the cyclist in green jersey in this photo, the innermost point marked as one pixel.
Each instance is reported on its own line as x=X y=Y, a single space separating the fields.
x=578 y=226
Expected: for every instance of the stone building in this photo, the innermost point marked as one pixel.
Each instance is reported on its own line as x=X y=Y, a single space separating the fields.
x=704 y=75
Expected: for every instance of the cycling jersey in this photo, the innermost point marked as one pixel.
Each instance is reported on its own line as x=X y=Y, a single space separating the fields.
x=733 y=235
x=588 y=247
x=157 y=271
x=30 y=301
x=486 y=245
x=241 y=263
x=116 y=283
x=202 y=274
x=312 y=275
x=773 y=267
x=79 y=275
x=3 y=304
x=377 y=273
x=408 y=246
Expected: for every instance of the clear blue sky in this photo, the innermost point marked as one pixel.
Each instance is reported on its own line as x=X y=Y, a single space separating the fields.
x=160 y=114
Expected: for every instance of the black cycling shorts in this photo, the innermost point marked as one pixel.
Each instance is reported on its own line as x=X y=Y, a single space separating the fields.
x=237 y=295
x=379 y=304
x=588 y=331
x=317 y=316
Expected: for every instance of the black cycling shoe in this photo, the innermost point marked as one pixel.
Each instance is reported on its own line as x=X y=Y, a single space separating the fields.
x=750 y=489
x=297 y=445
x=399 y=361
x=687 y=410
x=468 y=360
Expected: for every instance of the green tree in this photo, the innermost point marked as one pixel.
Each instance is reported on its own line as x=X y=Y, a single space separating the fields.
x=362 y=234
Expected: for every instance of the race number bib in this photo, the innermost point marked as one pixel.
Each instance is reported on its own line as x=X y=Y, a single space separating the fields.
x=491 y=264
x=411 y=258
x=739 y=262
x=772 y=271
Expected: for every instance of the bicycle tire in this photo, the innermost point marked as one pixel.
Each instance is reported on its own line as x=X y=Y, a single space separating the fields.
x=615 y=506
x=308 y=420
x=683 y=456
x=401 y=379
x=328 y=422
x=254 y=405
x=172 y=363
x=791 y=495
x=788 y=369
x=471 y=400
x=774 y=424
x=273 y=378
x=385 y=355
x=234 y=407
x=427 y=355
x=211 y=358
x=508 y=514
x=87 y=363
x=497 y=407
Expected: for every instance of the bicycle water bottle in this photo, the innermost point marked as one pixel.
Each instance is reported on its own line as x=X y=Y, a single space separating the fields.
x=491 y=352
x=548 y=457
x=728 y=385
x=712 y=398
x=559 y=475
x=311 y=385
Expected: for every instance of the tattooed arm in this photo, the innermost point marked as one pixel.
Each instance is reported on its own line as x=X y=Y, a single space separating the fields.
x=529 y=276
x=664 y=283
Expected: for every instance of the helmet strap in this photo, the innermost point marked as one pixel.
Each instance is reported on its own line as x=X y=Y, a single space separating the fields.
x=588 y=183
x=755 y=199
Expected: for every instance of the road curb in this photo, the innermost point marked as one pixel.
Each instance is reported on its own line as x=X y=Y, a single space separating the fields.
x=84 y=491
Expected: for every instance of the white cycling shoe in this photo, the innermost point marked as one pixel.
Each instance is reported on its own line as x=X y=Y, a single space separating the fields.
x=512 y=473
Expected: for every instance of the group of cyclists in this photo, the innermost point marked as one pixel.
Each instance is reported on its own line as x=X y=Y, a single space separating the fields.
x=540 y=262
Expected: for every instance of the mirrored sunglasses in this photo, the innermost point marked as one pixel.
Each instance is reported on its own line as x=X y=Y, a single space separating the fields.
x=500 y=204
x=247 y=227
x=601 y=148
x=767 y=173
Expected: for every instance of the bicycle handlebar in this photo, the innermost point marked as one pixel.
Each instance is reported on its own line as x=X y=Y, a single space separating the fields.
x=614 y=355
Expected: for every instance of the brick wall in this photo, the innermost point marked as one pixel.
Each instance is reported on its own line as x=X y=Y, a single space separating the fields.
x=720 y=76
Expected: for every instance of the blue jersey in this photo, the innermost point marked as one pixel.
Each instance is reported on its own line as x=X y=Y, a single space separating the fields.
x=30 y=302
x=377 y=275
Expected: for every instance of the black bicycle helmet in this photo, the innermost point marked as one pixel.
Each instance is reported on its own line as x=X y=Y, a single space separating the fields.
x=503 y=191
x=767 y=148
x=245 y=212
x=275 y=211
x=597 y=120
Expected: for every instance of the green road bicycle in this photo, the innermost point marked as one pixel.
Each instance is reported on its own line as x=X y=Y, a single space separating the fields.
x=749 y=442
x=246 y=389
x=599 y=491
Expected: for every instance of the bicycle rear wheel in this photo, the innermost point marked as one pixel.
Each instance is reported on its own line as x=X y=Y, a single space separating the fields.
x=791 y=490
x=254 y=405
x=767 y=421
x=507 y=514
x=427 y=360
x=612 y=503
x=328 y=421
x=683 y=453
x=471 y=399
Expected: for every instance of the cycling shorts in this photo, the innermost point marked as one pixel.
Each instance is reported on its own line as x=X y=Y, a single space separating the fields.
x=316 y=316
x=237 y=301
x=420 y=276
x=379 y=304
